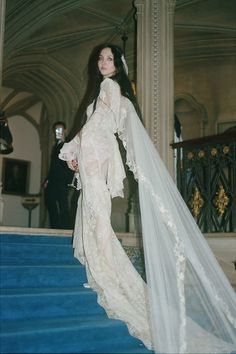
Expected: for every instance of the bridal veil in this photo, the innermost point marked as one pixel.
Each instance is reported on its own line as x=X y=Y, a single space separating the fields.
x=192 y=304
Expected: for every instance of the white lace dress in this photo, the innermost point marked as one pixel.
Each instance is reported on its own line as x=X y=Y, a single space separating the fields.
x=188 y=302
x=121 y=290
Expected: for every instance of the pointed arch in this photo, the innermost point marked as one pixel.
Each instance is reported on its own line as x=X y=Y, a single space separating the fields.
x=192 y=116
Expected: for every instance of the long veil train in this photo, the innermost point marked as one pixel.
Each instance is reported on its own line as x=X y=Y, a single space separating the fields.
x=193 y=306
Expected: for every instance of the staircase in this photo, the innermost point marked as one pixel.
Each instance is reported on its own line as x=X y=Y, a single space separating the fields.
x=44 y=306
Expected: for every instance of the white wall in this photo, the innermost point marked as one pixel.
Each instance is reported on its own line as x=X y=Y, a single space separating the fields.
x=26 y=147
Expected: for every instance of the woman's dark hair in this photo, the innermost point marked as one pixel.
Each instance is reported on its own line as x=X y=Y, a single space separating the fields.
x=120 y=76
x=95 y=78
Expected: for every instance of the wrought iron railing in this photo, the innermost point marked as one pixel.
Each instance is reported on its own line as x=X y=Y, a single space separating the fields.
x=206 y=178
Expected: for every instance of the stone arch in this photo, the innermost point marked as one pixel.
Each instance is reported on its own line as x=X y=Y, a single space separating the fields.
x=192 y=116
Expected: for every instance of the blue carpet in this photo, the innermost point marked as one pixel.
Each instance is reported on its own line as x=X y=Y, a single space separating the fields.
x=45 y=308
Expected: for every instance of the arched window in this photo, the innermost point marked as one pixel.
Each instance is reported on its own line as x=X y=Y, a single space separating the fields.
x=191 y=115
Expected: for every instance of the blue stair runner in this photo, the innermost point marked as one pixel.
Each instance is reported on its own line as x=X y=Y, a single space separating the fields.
x=44 y=306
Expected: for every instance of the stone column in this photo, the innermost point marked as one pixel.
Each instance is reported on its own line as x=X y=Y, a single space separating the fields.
x=144 y=60
x=2 y=25
x=155 y=24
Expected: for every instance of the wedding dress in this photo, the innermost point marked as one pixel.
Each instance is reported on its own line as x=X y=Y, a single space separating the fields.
x=187 y=305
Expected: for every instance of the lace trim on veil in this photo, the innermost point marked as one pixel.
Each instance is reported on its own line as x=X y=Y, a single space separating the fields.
x=179 y=251
x=178 y=248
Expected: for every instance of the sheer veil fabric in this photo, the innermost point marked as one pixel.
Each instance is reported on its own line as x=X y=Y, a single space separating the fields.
x=192 y=306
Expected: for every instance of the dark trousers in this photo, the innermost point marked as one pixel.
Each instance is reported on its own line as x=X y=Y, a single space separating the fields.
x=56 y=201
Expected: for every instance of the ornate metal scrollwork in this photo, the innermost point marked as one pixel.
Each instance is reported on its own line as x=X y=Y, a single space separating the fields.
x=206 y=175
x=221 y=200
x=196 y=202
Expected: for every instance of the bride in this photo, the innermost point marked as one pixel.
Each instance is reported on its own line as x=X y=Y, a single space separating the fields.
x=187 y=304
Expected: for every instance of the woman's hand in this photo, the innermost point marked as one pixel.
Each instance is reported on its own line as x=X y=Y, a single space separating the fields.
x=73 y=165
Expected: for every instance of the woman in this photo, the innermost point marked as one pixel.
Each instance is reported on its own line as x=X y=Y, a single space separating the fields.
x=188 y=304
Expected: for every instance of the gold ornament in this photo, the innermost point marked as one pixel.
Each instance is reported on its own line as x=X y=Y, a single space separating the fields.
x=201 y=154
x=196 y=202
x=226 y=149
x=221 y=200
x=214 y=152
x=190 y=155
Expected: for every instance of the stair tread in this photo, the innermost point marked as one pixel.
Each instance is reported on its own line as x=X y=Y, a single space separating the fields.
x=41 y=239
x=97 y=328
x=63 y=323
x=37 y=244
x=140 y=349
x=39 y=265
x=46 y=291
x=40 y=261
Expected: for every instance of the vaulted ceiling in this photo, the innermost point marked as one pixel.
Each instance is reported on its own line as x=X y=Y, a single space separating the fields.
x=204 y=29
x=47 y=44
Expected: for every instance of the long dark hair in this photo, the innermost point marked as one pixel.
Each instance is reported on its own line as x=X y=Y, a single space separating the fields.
x=120 y=77
x=94 y=81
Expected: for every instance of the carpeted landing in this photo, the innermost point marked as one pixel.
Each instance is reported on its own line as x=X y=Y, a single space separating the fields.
x=45 y=308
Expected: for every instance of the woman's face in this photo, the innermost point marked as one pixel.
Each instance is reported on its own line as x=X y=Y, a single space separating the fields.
x=106 y=63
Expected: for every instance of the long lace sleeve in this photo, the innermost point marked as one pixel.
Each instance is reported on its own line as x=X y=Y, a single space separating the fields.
x=70 y=150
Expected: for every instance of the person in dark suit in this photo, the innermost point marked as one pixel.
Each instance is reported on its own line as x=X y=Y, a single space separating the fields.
x=56 y=184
